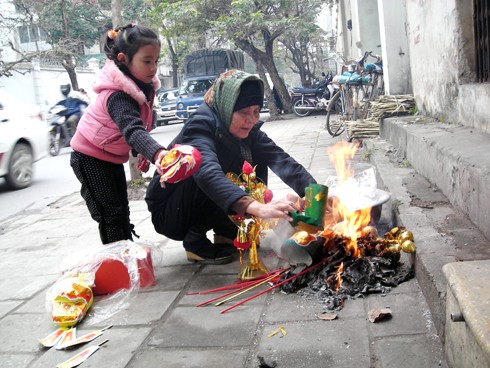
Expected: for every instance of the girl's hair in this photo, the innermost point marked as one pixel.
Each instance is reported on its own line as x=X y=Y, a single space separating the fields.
x=128 y=39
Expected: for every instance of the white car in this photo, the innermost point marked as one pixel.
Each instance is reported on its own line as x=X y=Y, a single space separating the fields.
x=23 y=140
x=167 y=105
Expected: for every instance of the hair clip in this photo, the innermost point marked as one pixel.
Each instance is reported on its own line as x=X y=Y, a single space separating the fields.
x=133 y=24
x=112 y=34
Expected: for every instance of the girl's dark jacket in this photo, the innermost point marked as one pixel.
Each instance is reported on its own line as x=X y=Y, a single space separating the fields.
x=221 y=154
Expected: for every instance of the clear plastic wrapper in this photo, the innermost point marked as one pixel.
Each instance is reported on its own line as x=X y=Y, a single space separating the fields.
x=87 y=262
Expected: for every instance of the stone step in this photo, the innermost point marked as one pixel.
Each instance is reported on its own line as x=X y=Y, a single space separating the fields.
x=416 y=162
x=468 y=314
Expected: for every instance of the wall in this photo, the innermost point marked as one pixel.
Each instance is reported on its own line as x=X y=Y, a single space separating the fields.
x=442 y=57
x=42 y=87
x=396 y=59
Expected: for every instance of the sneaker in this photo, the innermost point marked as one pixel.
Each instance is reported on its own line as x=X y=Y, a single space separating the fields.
x=203 y=251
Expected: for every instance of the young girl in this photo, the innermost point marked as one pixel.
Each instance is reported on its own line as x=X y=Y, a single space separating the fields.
x=117 y=121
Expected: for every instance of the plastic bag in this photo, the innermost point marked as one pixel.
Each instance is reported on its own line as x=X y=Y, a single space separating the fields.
x=88 y=262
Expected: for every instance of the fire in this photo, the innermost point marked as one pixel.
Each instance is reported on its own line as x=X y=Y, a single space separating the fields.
x=348 y=222
x=339 y=276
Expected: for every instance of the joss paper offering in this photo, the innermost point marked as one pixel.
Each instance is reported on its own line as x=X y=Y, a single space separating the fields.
x=179 y=163
x=72 y=298
x=53 y=338
x=250 y=227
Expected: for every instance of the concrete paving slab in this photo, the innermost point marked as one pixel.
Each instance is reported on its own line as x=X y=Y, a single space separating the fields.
x=36 y=304
x=21 y=331
x=16 y=360
x=117 y=352
x=7 y=306
x=24 y=287
x=172 y=278
x=310 y=344
x=145 y=309
x=406 y=309
x=206 y=327
x=172 y=358
x=287 y=308
x=409 y=351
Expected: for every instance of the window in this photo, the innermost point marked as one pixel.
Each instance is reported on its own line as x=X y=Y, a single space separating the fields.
x=31 y=34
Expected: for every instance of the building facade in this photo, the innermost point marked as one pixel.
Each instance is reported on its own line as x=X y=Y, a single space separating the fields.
x=439 y=50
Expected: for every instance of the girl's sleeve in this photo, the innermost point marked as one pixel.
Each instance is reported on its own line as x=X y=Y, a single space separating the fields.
x=125 y=112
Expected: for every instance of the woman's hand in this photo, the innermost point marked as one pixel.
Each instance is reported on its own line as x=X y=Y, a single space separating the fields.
x=298 y=203
x=275 y=209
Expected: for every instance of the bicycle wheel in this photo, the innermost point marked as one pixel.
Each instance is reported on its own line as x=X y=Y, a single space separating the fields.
x=299 y=107
x=364 y=99
x=336 y=124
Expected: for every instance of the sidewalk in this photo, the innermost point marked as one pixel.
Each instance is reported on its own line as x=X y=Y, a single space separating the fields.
x=162 y=326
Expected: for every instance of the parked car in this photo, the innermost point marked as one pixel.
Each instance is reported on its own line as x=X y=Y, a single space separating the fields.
x=191 y=95
x=23 y=140
x=167 y=106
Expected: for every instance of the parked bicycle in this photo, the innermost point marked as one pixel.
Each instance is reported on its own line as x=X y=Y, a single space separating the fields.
x=358 y=85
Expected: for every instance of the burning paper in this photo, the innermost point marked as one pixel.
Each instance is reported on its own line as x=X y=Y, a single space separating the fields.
x=356 y=260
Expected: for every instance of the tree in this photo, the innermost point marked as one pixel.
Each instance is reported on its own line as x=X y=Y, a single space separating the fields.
x=303 y=52
x=180 y=30
x=68 y=25
x=253 y=26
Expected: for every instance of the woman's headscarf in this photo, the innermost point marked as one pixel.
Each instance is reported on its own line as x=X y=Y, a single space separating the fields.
x=224 y=93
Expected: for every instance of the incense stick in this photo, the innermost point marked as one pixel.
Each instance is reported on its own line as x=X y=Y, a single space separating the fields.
x=247 y=289
x=238 y=285
x=275 y=286
x=248 y=284
x=223 y=288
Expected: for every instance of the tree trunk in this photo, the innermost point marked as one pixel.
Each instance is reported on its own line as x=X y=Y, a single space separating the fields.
x=268 y=92
x=116 y=13
x=175 y=63
x=266 y=59
x=73 y=77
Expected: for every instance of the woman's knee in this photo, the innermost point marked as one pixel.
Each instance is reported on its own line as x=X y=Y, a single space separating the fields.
x=171 y=230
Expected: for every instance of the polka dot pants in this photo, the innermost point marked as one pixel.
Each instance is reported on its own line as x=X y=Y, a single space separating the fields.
x=106 y=195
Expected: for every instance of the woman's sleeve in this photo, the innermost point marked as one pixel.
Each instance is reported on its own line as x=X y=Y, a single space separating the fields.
x=281 y=163
x=210 y=176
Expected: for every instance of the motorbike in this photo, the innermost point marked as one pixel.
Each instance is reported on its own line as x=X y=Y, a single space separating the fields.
x=59 y=134
x=304 y=101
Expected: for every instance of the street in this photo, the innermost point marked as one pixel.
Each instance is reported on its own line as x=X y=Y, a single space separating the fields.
x=54 y=178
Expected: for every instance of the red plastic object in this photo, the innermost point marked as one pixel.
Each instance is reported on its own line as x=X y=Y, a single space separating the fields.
x=112 y=275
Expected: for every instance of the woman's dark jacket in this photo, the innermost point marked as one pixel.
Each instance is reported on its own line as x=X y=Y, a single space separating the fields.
x=221 y=154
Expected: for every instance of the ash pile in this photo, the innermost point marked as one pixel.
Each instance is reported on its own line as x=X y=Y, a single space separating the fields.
x=339 y=272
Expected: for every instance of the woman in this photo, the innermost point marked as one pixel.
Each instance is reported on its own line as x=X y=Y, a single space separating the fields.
x=225 y=130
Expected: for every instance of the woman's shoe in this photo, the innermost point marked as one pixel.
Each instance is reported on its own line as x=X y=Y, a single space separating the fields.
x=203 y=251
x=221 y=239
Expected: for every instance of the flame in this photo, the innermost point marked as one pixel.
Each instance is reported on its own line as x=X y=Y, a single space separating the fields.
x=349 y=222
x=338 y=276
x=339 y=154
